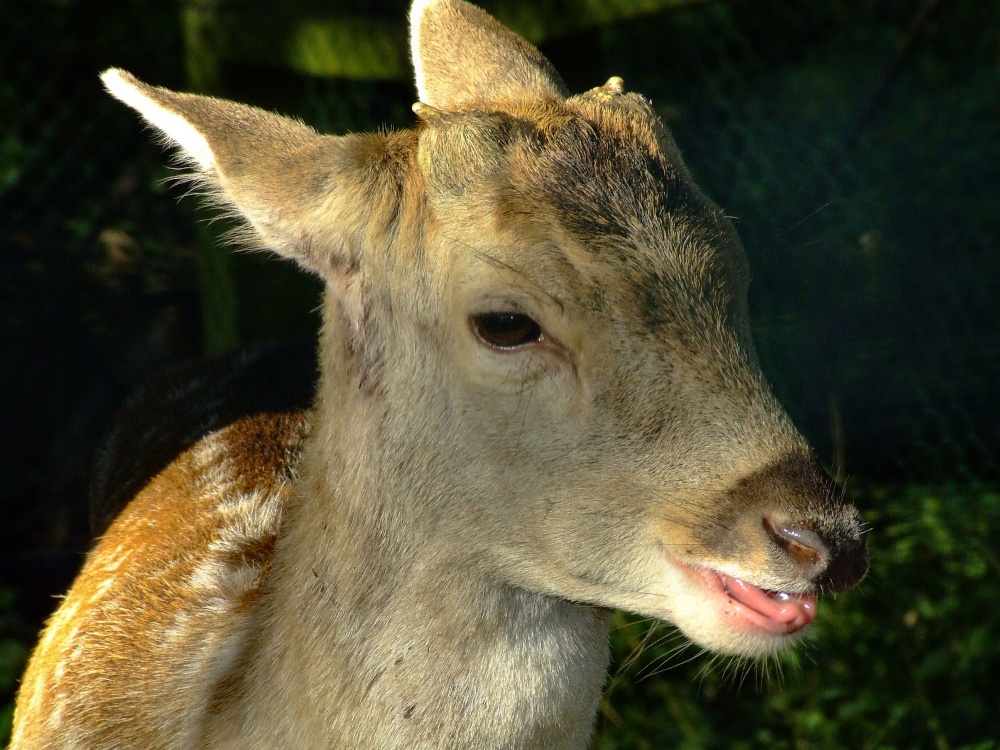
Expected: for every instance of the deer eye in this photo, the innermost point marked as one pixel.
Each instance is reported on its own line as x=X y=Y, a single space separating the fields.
x=505 y=330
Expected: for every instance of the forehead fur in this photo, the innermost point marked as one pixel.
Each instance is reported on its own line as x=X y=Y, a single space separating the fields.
x=603 y=172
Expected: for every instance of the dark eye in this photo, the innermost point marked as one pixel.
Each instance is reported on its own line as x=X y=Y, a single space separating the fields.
x=505 y=330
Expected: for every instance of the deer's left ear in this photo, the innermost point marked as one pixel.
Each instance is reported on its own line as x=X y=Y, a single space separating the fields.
x=463 y=57
x=280 y=176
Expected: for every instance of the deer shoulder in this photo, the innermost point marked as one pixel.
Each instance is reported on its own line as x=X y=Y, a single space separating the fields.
x=193 y=479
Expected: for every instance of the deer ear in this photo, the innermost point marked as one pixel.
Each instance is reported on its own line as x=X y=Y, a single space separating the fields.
x=277 y=174
x=463 y=57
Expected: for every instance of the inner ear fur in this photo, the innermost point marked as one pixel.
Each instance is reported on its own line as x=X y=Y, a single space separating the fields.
x=464 y=58
x=293 y=187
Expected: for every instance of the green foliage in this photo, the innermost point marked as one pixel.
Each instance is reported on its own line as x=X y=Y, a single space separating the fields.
x=907 y=661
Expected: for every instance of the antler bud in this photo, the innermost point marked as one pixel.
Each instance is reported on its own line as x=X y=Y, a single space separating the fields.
x=615 y=85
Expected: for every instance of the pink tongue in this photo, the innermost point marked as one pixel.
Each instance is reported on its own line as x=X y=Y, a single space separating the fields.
x=773 y=611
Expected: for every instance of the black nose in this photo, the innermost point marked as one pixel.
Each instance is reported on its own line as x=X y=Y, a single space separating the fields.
x=833 y=562
x=848 y=564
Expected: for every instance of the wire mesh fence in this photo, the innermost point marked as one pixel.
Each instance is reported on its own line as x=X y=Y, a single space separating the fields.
x=856 y=142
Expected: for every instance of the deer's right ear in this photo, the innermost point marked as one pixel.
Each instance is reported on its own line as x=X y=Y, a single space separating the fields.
x=277 y=174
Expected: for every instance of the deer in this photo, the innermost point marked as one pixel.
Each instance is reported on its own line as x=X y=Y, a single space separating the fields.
x=535 y=401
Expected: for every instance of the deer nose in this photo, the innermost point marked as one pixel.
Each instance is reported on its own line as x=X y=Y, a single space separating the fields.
x=830 y=562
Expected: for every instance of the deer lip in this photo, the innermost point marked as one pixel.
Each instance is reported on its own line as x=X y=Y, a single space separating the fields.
x=751 y=607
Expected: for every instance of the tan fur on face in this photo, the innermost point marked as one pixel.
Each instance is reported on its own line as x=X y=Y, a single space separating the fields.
x=423 y=550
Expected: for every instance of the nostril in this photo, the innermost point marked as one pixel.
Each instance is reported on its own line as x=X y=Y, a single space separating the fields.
x=833 y=563
x=847 y=566
x=806 y=547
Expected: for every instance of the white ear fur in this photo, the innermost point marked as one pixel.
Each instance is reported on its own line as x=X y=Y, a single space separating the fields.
x=172 y=126
x=416 y=12
x=463 y=57
x=274 y=173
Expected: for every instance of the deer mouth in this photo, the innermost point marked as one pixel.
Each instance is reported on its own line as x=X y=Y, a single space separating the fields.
x=752 y=608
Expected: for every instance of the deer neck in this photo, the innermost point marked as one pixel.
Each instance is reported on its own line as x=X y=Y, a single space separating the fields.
x=389 y=632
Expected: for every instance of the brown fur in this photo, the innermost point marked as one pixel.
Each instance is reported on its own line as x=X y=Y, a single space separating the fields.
x=428 y=557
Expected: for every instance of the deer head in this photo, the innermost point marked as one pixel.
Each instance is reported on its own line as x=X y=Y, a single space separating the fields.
x=536 y=351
